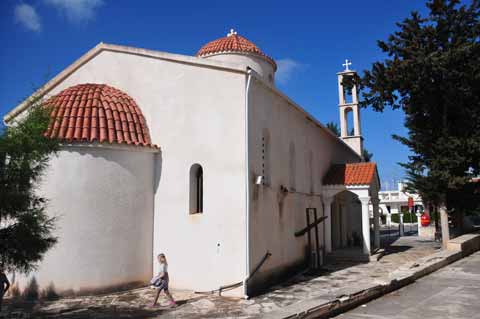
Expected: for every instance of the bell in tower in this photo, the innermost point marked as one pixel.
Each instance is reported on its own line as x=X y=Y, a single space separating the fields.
x=348 y=102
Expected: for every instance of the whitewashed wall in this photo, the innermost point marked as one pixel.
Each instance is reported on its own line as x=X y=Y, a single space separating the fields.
x=103 y=199
x=274 y=217
x=259 y=64
x=195 y=113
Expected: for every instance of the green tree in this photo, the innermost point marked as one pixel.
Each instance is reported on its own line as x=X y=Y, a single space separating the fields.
x=25 y=228
x=332 y=126
x=432 y=73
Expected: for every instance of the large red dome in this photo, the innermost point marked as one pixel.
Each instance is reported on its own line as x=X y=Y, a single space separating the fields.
x=97 y=113
x=233 y=43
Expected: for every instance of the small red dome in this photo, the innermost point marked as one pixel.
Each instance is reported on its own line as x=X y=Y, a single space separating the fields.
x=233 y=43
x=97 y=112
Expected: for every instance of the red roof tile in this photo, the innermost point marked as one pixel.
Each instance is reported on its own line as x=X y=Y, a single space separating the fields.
x=97 y=113
x=233 y=43
x=350 y=174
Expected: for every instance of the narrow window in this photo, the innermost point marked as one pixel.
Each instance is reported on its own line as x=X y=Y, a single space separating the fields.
x=196 y=189
x=266 y=157
x=310 y=170
x=293 y=167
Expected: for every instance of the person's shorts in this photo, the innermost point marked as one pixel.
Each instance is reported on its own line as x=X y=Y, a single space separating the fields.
x=161 y=284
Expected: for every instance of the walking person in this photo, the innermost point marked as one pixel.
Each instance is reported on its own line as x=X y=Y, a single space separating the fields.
x=160 y=282
x=4 y=285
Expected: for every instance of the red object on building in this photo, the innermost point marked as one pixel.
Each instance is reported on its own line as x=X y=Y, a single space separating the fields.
x=425 y=220
x=410 y=202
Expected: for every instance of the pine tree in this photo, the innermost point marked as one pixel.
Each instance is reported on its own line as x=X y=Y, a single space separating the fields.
x=25 y=228
x=332 y=126
x=432 y=73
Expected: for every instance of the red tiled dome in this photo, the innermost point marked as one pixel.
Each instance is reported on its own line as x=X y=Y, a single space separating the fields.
x=97 y=112
x=233 y=43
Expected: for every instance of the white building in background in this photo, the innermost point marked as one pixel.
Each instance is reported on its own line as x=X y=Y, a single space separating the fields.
x=396 y=202
x=201 y=158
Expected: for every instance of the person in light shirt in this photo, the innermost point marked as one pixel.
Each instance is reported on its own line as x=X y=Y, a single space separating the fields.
x=160 y=282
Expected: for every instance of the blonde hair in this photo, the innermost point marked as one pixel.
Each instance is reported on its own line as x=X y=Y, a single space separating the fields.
x=164 y=258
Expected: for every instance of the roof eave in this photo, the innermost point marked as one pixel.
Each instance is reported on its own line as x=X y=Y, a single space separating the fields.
x=47 y=87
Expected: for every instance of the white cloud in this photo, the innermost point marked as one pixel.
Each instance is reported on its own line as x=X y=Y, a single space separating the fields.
x=76 y=11
x=286 y=68
x=27 y=16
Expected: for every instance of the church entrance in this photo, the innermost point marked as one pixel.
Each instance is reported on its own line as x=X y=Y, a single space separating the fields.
x=346 y=223
x=350 y=198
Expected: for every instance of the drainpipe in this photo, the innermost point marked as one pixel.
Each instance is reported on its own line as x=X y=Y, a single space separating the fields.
x=247 y=189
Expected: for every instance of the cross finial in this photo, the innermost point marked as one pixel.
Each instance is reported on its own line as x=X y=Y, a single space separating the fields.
x=232 y=32
x=347 y=64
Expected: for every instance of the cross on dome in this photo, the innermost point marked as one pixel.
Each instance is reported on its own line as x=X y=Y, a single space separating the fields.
x=347 y=64
x=232 y=32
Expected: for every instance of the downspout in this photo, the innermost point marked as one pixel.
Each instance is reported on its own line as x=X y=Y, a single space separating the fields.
x=247 y=189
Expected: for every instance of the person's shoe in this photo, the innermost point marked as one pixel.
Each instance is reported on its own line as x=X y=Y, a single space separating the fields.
x=173 y=304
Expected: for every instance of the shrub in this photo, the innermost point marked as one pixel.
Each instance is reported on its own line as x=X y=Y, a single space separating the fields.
x=407 y=218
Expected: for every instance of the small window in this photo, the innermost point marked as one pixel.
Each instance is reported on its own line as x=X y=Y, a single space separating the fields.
x=196 y=189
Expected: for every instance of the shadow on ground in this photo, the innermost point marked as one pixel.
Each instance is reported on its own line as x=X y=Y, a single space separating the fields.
x=26 y=310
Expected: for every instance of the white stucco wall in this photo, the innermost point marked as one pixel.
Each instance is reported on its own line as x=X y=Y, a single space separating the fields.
x=195 y=113
x=274 y=217
x=103 y=199
x=257 y=63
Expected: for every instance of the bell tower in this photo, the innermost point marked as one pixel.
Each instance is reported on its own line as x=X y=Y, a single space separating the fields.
x=348 y=102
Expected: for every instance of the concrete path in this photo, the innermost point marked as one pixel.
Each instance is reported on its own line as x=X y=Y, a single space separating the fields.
x=306 y=291
x=452 y=292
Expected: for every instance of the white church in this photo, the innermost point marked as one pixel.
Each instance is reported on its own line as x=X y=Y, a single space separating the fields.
x=201 y=158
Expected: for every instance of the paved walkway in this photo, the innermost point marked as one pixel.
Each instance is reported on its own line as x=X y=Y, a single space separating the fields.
x=452 y=292
x=333 y=281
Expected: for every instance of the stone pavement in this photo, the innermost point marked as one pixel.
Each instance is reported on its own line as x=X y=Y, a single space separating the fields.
x=304 y=290
x=452 y=292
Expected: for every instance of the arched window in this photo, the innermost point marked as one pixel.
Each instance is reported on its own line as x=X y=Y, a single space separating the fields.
x=196 y=189
x=348 y=121
x=347 y=89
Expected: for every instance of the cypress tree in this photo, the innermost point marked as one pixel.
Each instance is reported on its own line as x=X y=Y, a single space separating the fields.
x=432 y=73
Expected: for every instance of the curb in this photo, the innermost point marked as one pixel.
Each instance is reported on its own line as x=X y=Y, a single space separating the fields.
x=403 y=276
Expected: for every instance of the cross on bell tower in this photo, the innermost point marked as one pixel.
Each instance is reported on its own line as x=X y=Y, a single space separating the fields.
x=348 y=102
x=347 y=64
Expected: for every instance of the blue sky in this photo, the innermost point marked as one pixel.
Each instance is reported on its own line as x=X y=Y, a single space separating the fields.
x=309 y=39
